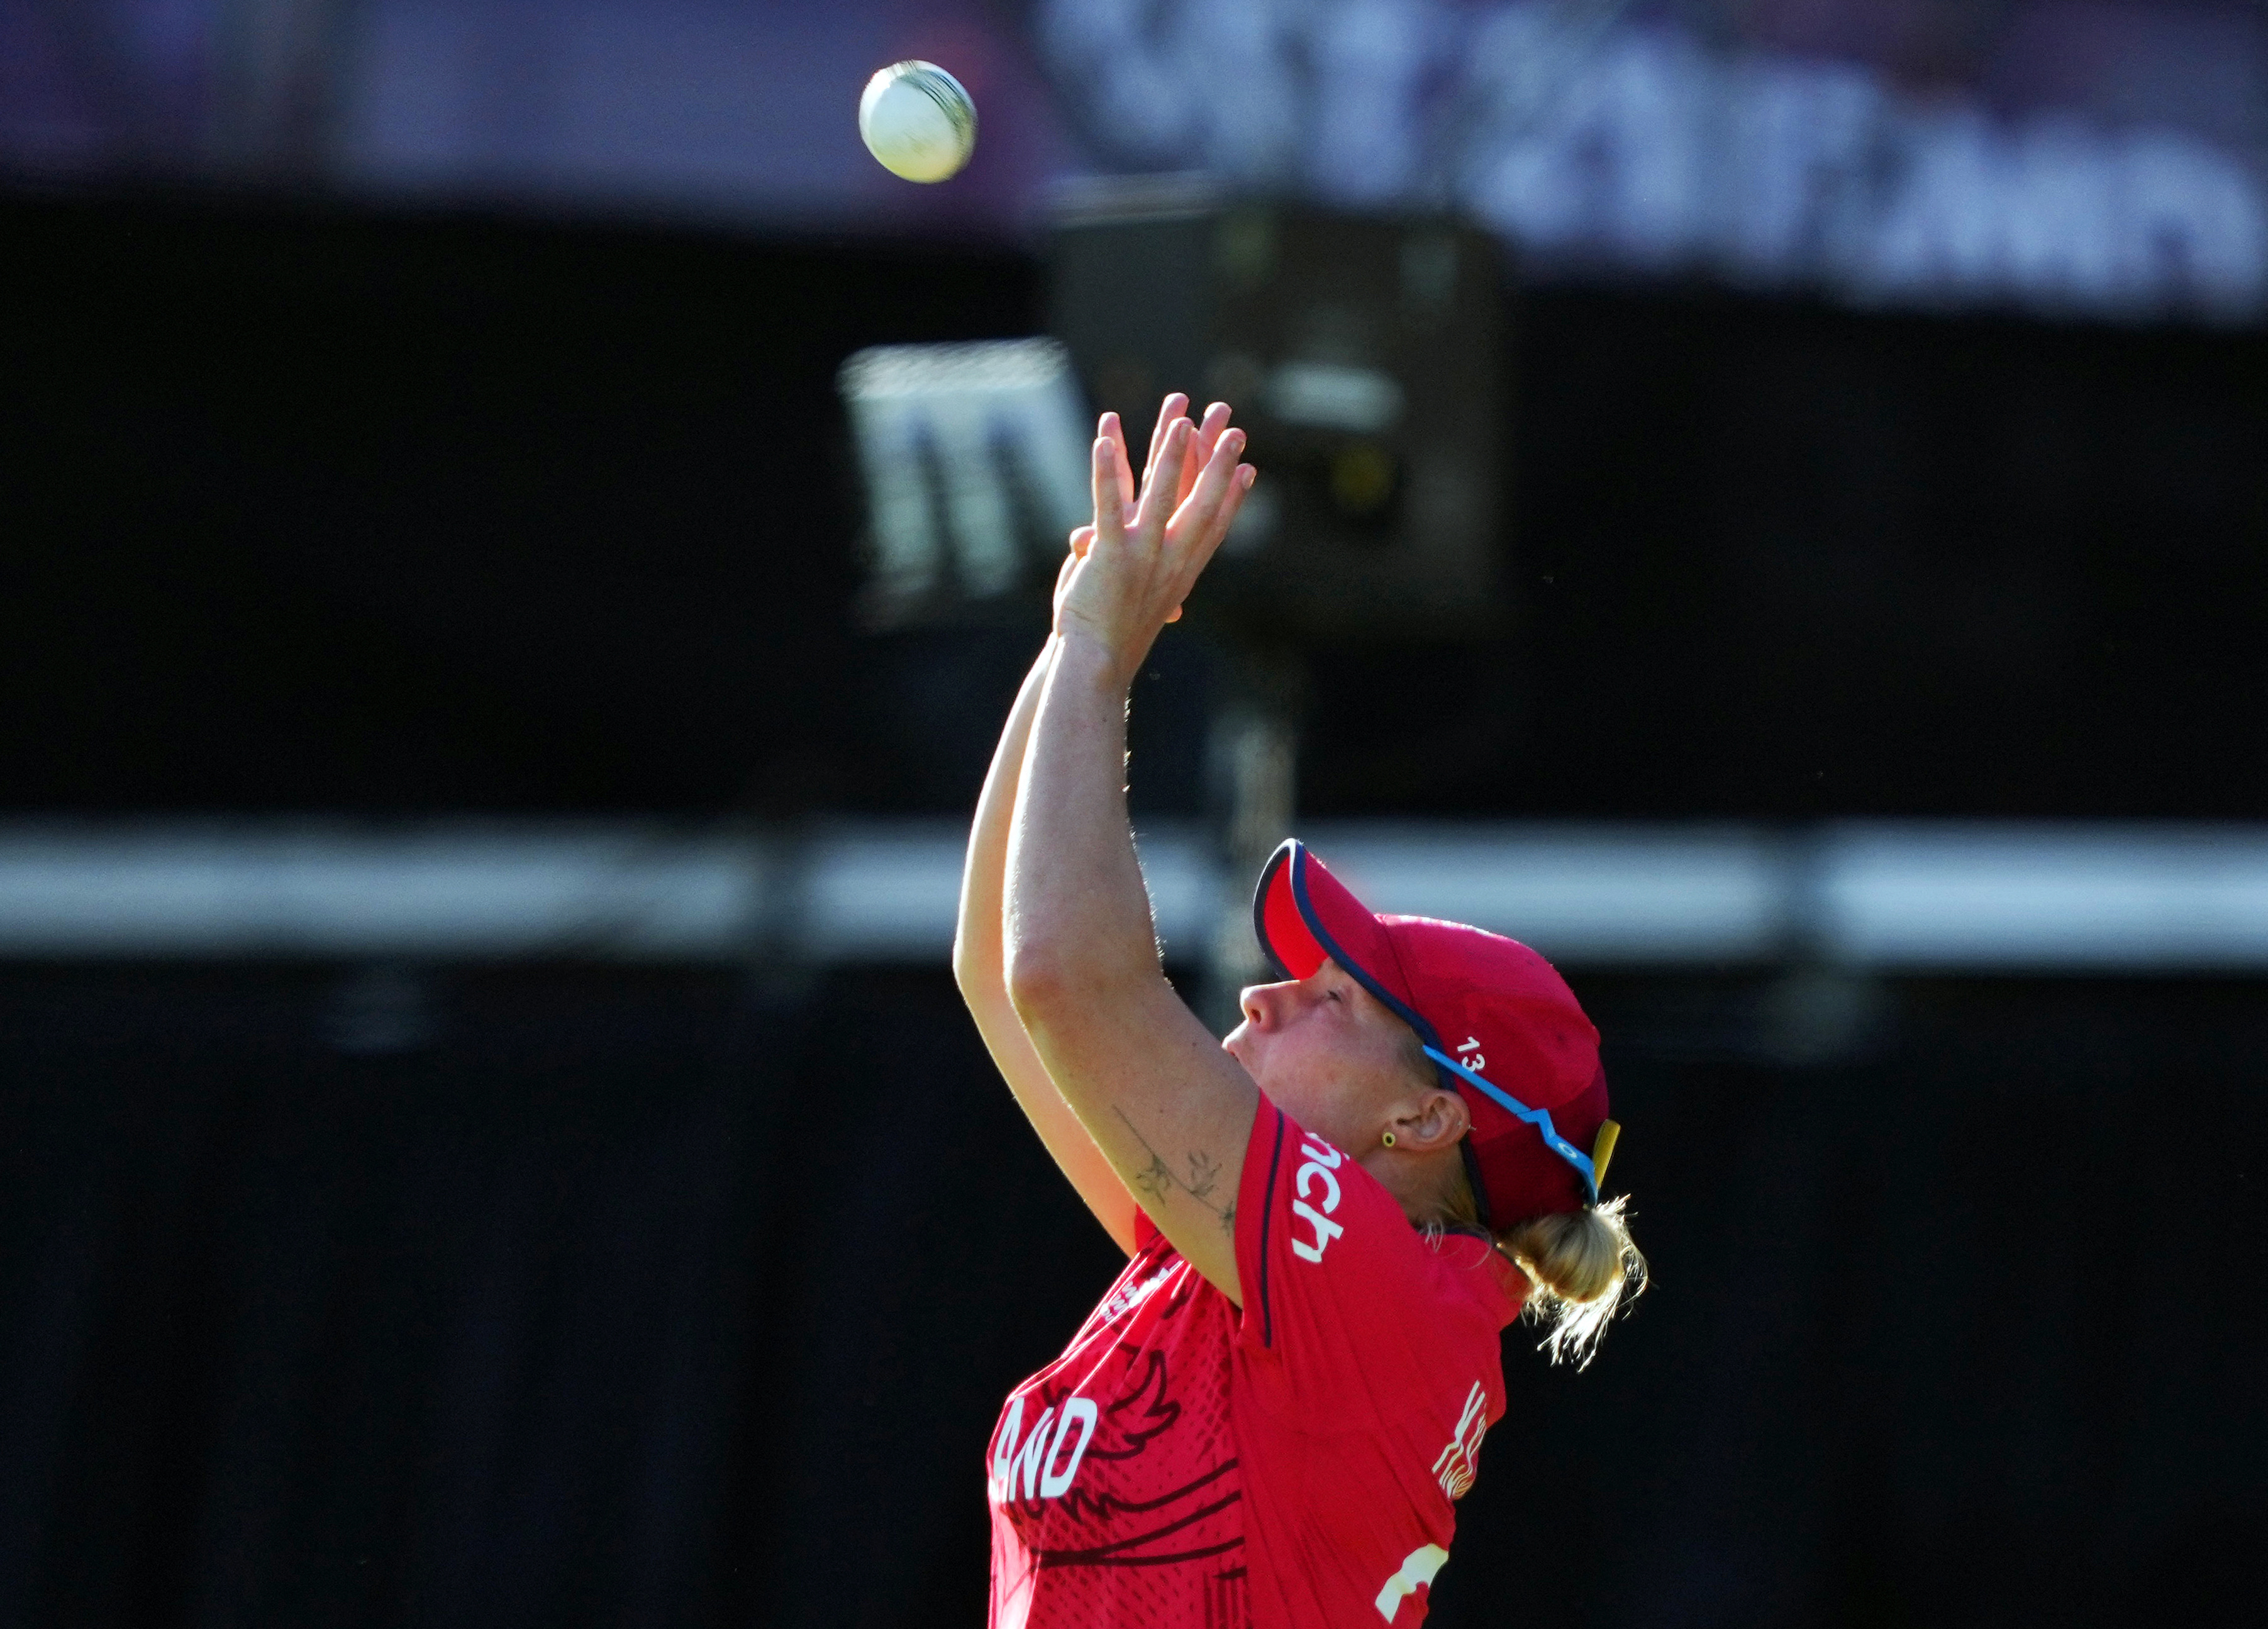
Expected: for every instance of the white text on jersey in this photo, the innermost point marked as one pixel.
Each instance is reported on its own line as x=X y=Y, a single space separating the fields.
x=1419 y=1570
x=1035 y=1462
x=1461 y=1461
x=1322 y=1159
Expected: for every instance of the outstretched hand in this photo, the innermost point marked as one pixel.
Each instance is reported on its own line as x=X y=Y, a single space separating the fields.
x=1128 y=573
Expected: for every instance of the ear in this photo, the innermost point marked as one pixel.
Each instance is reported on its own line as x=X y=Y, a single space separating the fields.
x=1433 y=1120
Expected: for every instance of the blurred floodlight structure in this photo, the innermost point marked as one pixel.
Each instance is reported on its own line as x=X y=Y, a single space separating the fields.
x=967 y=451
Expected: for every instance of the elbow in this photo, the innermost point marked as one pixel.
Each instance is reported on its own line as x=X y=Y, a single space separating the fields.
x=1054 y=977
x=978 y=974
x=1040 y=977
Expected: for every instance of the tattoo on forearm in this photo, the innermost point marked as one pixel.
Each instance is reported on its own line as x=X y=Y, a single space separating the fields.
x=1157 y=1179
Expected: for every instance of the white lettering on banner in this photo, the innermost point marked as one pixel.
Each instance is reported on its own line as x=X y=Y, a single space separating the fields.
x=1459 y=1462
x=1587 y=140
x=2191 y=230
x=1419 y=1570
x=1036 y=1461
x=968 y=434
x=1798 y=135
x=1321 y=1161
x=1370 y=60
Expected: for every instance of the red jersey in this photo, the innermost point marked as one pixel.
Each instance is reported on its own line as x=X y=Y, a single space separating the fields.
x=1291 y=1465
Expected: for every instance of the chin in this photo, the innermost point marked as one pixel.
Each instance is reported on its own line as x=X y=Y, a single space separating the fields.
x=1288 y=1097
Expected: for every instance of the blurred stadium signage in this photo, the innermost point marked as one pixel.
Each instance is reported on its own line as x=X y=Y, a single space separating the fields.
x=1591 y=141
x=974 y=458
x=1364 y=353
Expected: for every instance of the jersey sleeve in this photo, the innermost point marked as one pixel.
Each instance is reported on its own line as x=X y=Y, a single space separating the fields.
x=1346 y=1306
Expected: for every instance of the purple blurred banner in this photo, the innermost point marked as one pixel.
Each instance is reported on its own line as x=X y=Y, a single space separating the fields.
x=2076 y=158
x=741 y=110
x=2081 y=157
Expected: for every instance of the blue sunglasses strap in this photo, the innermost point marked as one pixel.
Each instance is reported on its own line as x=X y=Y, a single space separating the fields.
x=1540 y=1118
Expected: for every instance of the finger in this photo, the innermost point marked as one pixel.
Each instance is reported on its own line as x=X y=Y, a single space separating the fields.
x=1082 y=539
x=1173 y=473
x=1198 y=511
x=1177 y=403
x=1195 y=553
x=1108 y=522
x=1157 y=507
x=1209 y=432
x=1239 y=488
x=1201 y=524
x=1112 y=428
x=1173 y=406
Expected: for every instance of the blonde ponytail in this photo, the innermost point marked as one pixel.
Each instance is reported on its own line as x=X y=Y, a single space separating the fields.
x=1583 y=1264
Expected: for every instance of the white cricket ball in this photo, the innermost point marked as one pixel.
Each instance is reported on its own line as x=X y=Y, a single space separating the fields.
x=918 y=120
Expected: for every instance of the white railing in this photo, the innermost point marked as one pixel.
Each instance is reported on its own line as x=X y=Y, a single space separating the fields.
x=1891 y=896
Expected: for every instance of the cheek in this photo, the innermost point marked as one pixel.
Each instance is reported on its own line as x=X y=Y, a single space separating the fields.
x=1277 y=1064
x=1310 y=1083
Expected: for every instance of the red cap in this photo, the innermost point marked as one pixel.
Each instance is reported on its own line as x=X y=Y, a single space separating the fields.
x=1490 y=1007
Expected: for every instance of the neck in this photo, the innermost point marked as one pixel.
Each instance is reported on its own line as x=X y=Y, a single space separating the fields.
x=1424 y=1184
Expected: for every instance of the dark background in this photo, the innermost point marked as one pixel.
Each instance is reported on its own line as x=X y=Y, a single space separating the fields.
x=607 y=1297
x=324 y=511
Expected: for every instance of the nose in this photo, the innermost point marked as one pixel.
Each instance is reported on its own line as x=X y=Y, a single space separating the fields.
x=1263 y=1004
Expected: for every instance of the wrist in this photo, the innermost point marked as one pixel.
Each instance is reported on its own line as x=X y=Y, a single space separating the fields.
x=1083 y=654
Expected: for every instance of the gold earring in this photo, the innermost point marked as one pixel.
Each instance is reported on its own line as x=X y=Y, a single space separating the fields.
x=1387 y=1139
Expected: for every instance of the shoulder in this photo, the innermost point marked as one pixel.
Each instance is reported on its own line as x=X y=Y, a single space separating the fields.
x=1329 y=1206
x=1346 y=1300
x=1474 y=1292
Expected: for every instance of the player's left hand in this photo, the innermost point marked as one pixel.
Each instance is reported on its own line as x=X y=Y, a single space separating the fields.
x=1126 y=578
x=1200 y=448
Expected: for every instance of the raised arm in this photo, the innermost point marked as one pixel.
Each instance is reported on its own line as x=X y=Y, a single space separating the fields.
x=1169 y=1111
x=979 y=960
x=979 y=965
